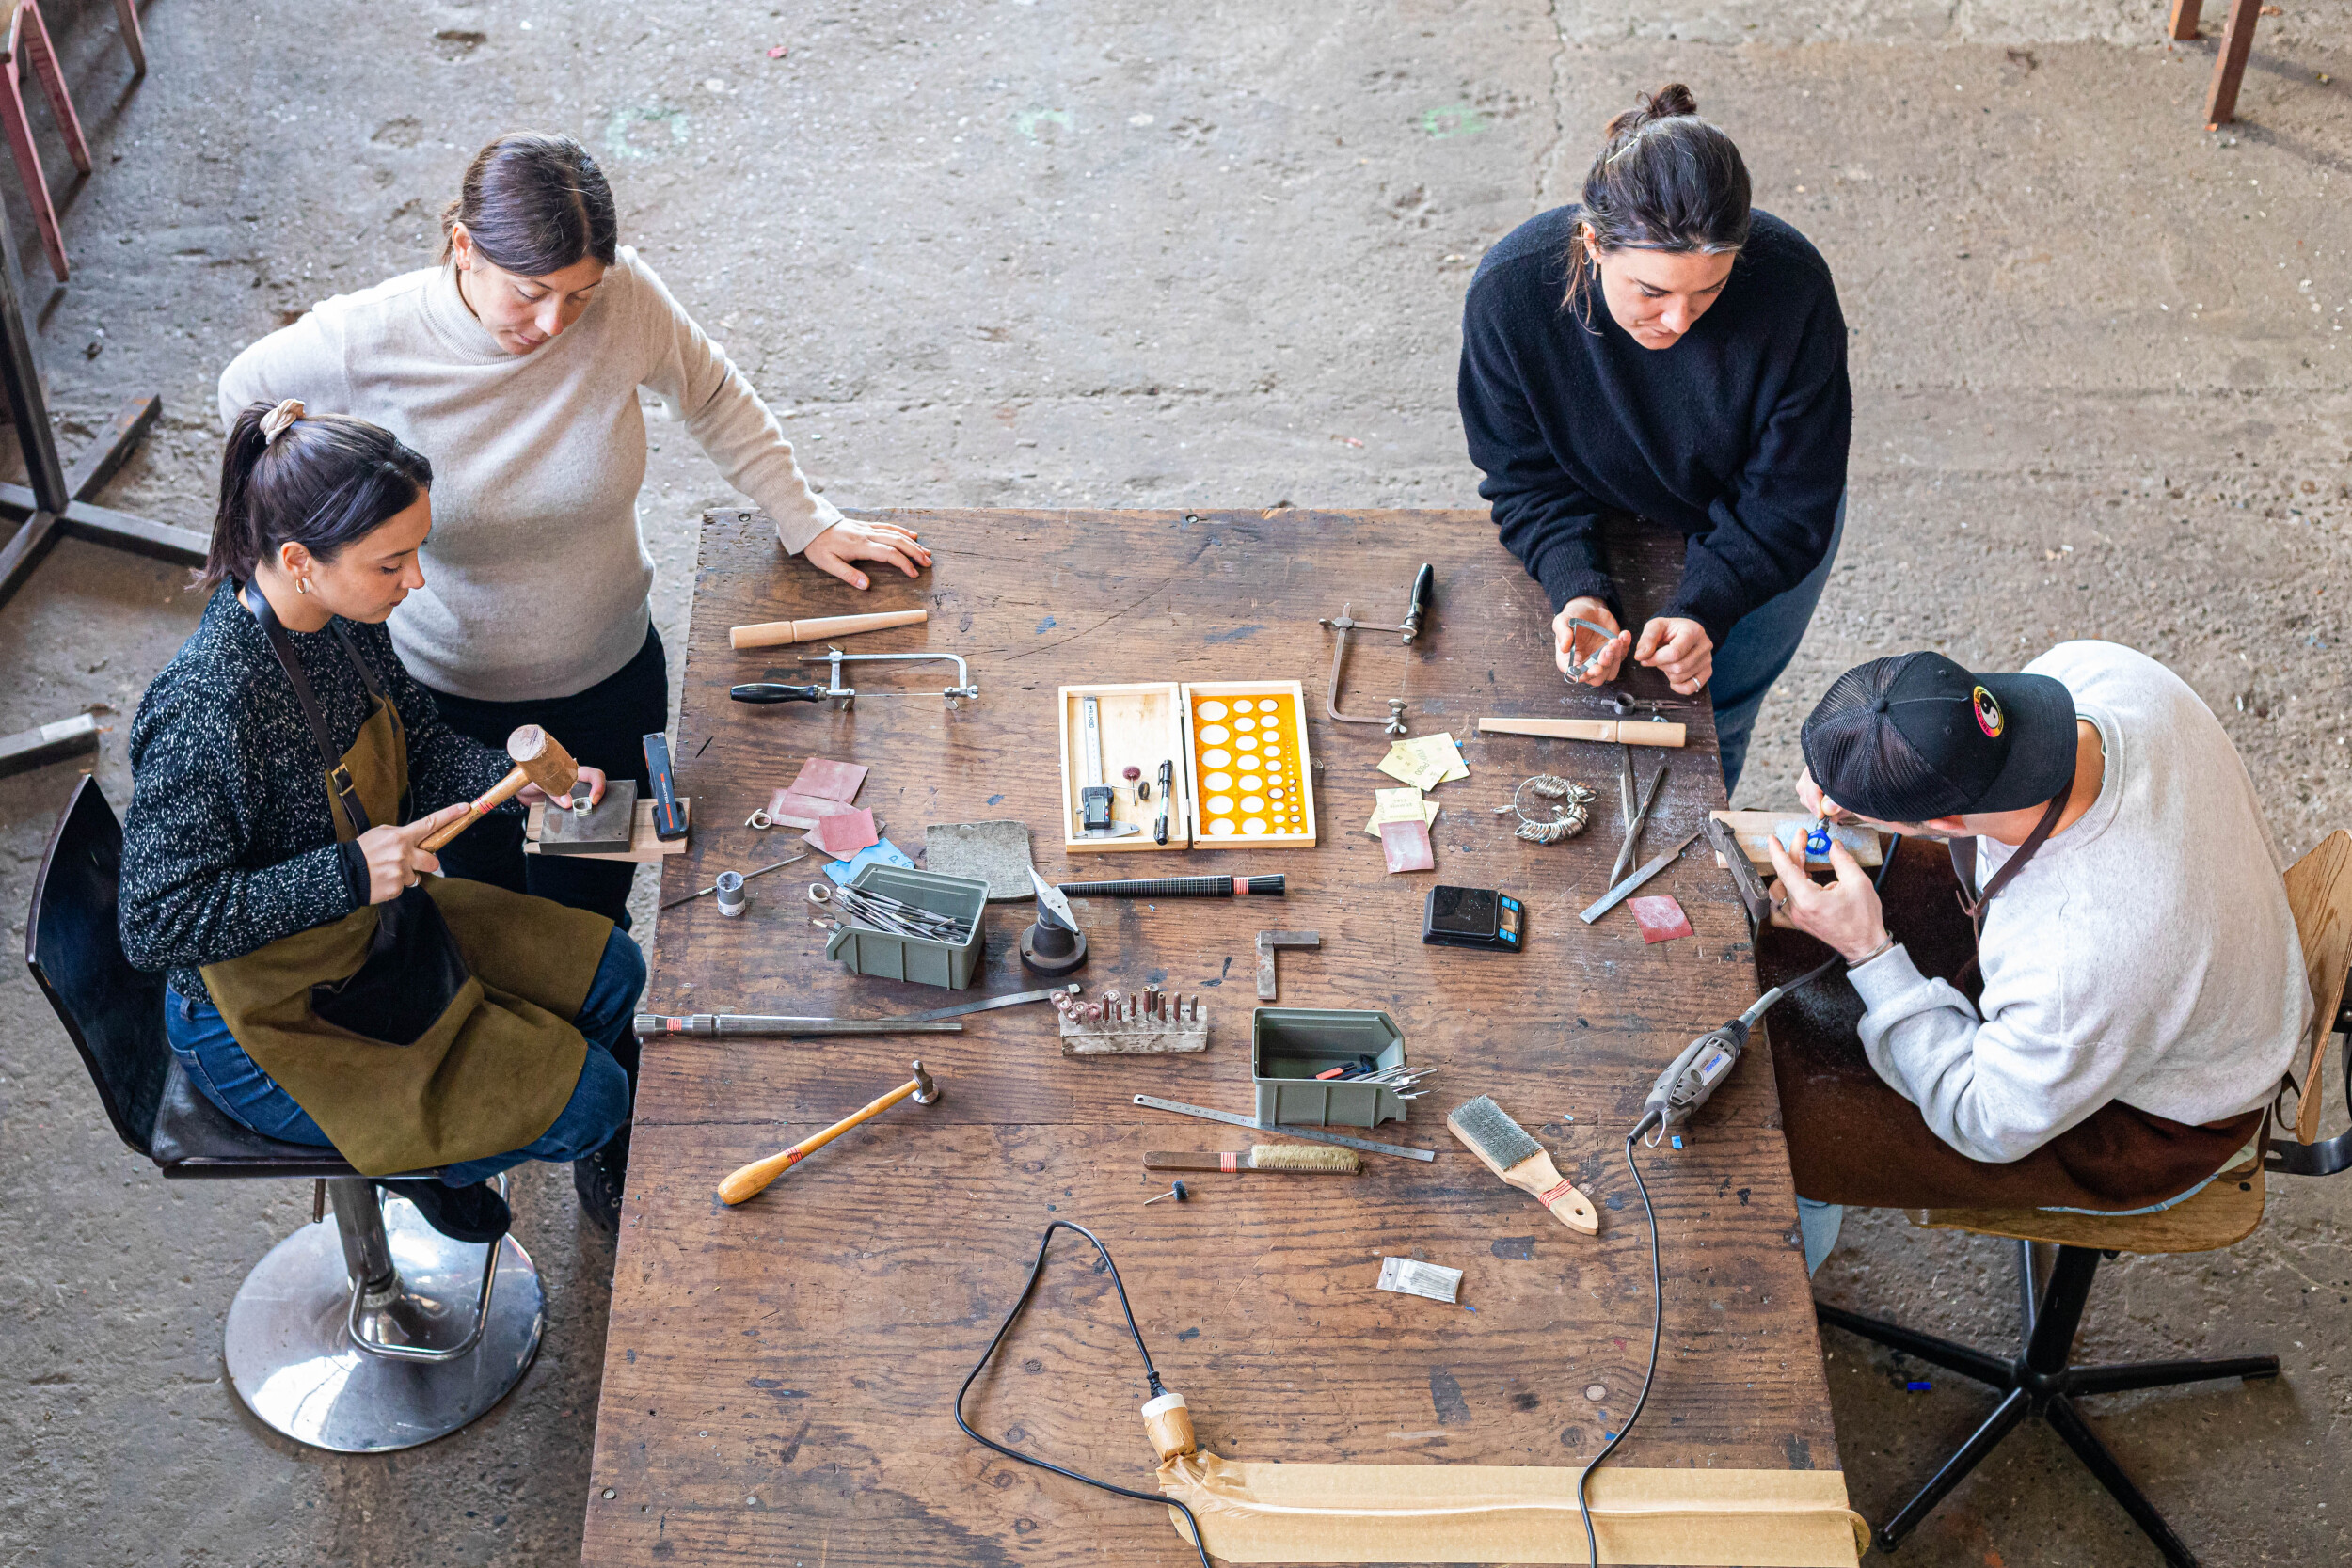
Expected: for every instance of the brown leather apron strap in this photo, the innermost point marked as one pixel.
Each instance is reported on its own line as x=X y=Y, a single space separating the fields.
x=1963 y=851
x=330 y=756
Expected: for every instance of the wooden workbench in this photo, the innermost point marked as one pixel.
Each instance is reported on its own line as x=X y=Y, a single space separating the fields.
x=779 y=1377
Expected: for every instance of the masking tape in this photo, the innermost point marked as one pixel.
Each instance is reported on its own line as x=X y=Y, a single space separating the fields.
x=1261 y=1513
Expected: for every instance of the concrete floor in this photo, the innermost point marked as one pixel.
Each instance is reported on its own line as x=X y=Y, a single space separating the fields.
x=1040 y=253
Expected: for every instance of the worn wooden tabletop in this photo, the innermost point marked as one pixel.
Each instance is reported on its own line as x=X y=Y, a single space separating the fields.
x=779 y=1377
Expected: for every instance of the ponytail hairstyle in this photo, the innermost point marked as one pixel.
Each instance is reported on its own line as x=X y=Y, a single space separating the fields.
x=321 y=481
x=1665 y=179
x=534 y=204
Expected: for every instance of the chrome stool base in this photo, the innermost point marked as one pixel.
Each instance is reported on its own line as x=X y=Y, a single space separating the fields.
x=293 y=1360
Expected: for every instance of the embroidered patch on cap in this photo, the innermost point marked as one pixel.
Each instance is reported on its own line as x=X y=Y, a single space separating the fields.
x=1989 y=718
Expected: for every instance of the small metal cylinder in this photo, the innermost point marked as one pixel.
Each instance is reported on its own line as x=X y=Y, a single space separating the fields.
x=730 y=893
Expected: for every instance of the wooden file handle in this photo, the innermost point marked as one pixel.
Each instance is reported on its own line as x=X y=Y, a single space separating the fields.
x=754 y=1177
x=1625 y=732
x=539 y=759
x=774 y=634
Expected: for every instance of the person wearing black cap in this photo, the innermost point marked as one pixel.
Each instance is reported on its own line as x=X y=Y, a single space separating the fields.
x=2143 y=987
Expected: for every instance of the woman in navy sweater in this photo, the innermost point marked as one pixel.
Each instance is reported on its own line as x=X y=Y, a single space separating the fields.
x=1660 y=350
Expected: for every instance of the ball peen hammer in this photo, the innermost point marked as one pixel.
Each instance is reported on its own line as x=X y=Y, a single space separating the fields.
x=754 y=1178
x=539 y=759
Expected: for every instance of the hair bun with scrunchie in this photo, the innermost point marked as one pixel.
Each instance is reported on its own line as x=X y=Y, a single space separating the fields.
x=277 y=421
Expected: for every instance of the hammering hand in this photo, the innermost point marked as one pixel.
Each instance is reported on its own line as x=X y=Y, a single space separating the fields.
x=397 y=856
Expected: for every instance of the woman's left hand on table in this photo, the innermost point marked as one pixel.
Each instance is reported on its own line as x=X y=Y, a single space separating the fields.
x=531 y=795
x=1680 y=649
x=851 y=540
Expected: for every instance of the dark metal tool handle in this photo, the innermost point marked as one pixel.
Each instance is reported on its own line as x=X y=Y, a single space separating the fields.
x=669 y=816
x=1425 y=594
x=775 y=691
x=1176 y=887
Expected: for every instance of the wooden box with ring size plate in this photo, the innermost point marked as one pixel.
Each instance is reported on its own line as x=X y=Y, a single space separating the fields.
x=1243 y=775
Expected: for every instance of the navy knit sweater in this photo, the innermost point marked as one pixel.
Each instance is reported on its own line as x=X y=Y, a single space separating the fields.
x=228 y=844
x=1736 y=436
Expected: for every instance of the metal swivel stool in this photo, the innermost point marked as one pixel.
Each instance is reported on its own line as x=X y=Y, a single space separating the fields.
x=2040 y=1379
x=379 y=1334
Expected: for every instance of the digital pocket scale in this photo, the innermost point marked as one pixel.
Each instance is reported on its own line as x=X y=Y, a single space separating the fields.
x=1473 y=917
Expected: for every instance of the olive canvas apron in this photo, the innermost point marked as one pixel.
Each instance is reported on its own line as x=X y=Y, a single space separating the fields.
x=491 y=1069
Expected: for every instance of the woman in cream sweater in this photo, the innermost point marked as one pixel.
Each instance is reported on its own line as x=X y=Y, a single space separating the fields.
x=516 y=366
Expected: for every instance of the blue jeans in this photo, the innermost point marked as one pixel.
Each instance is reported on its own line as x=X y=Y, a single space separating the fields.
x=1758 y=648
x=598 y=1108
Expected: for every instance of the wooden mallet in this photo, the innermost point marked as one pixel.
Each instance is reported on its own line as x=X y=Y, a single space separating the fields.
x=538 y=760
x=755 y=1176
x=775 y=634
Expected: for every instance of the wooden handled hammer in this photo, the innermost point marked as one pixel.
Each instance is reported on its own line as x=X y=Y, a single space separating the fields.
x=539 y=759
x=753 y=1179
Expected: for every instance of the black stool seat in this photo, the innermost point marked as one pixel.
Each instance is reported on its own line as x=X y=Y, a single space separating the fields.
x=352 y=1338
x=192 y=1138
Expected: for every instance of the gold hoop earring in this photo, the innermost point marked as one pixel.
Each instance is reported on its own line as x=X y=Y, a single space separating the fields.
x=302 y=585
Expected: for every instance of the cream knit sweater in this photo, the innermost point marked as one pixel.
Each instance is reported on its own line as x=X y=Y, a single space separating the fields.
x=536 y=574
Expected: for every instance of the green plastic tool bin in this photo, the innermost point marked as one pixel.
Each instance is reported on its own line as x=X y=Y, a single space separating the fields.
x=922 y=960
x=1288 y=1046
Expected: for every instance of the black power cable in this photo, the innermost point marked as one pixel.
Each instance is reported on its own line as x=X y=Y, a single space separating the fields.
x=1657 y=1331
x=1657 y=1281
x=1151 y=1375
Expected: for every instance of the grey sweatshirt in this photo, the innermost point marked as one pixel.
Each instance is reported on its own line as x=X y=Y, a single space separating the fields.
x=2145 y=954
x=535 y=577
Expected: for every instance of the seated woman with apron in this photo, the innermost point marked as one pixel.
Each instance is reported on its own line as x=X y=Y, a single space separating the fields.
x=324 y=987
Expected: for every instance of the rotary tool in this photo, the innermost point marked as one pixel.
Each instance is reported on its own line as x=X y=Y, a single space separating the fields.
x=1706 y=1062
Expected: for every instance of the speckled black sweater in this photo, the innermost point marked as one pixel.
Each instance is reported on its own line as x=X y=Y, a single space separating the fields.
x=228 y=844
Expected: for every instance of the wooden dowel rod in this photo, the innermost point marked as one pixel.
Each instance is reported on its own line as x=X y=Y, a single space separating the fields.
x=775 y=634
x=1625 y=732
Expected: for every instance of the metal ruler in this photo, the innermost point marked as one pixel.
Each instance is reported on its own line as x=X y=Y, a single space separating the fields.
x=1231 y=1120
x=761 y=1024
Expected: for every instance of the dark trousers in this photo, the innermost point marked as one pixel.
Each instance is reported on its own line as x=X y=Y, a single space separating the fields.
x=604 y=726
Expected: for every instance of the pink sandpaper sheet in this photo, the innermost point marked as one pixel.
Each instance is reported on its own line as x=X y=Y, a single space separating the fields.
x=1661 y=918
x=845 y=834
x=788 y=808
x=829 y=780
x=1407 y=846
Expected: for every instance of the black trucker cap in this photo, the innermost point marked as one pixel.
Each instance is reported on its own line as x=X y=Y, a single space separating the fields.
x=1915 y=736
